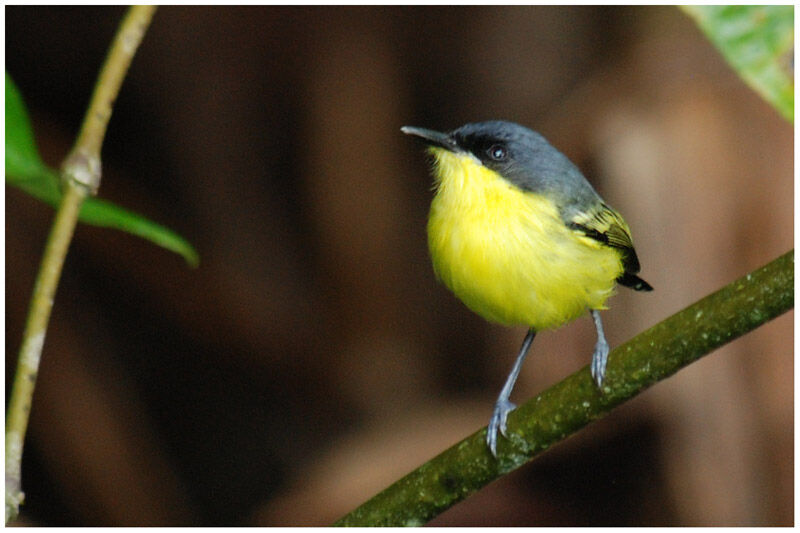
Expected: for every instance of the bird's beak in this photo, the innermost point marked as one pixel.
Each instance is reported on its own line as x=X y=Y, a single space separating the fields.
x=434 y=138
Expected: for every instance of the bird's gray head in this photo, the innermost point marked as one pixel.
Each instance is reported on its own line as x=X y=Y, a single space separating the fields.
x=519 y=155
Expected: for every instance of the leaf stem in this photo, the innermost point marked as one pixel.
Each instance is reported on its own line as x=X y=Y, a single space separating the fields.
x=568 y=406
x=80 y=176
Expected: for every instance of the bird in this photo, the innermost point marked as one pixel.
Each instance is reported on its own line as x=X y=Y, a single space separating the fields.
x=520 y=236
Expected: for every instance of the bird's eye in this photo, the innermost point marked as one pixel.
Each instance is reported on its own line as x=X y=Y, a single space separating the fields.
x=497 y=152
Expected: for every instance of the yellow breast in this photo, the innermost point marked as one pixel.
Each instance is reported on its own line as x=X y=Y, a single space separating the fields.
x=506 y=253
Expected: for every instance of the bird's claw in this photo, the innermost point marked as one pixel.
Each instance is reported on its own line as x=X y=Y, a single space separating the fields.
x=599 y=360
x=498 y=422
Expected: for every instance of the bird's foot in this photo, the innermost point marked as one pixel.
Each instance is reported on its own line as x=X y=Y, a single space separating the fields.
x=498 y=422
x=599 y=360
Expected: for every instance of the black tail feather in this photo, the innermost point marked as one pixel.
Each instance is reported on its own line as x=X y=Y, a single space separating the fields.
x=634 y=282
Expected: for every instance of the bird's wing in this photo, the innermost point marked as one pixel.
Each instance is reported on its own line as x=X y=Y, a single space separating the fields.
x=605 y=225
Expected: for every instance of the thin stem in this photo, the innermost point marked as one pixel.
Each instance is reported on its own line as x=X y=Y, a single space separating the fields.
x=19 y=405
x=80 y=175
x=83 y=163
x=568 y=406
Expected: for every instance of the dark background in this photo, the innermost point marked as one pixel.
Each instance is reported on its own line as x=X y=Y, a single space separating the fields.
x=312 y=358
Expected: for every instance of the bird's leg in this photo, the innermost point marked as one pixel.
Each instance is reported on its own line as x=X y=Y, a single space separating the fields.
x=600 y=355
x=503 y=406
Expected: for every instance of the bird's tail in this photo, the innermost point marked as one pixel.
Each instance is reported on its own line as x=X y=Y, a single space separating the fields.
x=634 y=282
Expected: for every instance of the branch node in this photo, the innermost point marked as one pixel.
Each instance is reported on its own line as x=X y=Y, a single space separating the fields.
x=83 y=169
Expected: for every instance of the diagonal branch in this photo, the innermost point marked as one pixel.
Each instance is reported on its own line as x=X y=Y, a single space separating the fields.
x=570 y=405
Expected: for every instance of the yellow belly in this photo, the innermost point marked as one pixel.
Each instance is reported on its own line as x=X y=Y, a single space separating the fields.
x=506 y=253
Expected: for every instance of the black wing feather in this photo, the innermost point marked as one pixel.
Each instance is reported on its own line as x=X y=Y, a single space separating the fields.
x=607 y=226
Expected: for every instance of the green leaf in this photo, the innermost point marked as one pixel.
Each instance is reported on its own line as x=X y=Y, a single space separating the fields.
x=101 y=213
x=758 y=42
x=22 y=158
x=26 y=171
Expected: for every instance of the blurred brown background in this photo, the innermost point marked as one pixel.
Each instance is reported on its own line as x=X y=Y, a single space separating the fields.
x=312 y=358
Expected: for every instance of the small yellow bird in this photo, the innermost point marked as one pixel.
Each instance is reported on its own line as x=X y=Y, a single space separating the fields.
x=520 y=236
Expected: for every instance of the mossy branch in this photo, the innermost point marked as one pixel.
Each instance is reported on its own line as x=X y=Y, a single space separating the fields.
x=570 y=405
x=80 y=176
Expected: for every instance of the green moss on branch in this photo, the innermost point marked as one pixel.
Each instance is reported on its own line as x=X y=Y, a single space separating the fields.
x=570 y=405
